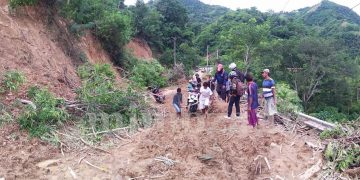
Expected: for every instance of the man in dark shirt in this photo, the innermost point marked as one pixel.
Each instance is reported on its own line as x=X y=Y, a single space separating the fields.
x=177 y=101
x=221 y=78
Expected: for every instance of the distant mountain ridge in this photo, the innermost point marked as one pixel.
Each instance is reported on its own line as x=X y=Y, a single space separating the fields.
x=202 y=13
x=328 y=12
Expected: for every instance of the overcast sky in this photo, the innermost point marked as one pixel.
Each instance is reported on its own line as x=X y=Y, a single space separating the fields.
x=276 y=5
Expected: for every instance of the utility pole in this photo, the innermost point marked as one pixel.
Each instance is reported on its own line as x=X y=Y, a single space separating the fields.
x=174 y=38
x=207 y=58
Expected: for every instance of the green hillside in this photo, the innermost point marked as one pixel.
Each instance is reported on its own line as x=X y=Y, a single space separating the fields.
x=202 y=14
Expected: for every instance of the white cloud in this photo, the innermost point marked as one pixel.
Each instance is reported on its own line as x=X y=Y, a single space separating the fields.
x=265 y=5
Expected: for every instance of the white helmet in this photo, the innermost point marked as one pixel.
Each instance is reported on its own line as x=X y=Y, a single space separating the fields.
x=232 y=66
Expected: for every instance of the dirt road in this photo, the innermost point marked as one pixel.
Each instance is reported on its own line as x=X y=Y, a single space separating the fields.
x=186 y=149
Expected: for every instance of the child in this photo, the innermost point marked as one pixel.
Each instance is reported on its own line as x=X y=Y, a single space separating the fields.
x=211 y=83
x=177 y=101
x=252 y=100
x=205 y=94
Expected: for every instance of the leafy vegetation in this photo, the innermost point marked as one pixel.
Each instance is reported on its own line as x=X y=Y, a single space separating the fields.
x=47 y=112
x=322 y=67
x=330 y=114
x=201 y=14
x=288 y=100
x=342 y=151
x=107 y=106
x=334 y=133
x=146 y=74
x=13 y=80
x=16 y=3
x=111 y=26
x=343 y=157
x=5 y=115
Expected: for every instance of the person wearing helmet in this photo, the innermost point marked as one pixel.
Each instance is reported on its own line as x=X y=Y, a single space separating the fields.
x=190 y=86
x=236 y=91
x=221 y=78
x=240 y=75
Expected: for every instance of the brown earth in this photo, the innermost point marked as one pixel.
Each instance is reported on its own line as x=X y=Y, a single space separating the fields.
x=27 y=46
x=43 y=50
x=232 y=146
x=140 y=49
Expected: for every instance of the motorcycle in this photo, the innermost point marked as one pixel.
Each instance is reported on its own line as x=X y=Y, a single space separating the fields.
x=192 y=102
x=157 y=94
x=193 y=99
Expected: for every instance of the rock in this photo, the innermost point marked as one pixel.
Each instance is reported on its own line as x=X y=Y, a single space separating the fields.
x=47 y=163
x=205 y=157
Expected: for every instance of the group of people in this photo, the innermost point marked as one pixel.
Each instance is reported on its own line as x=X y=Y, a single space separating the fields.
x=230 y=87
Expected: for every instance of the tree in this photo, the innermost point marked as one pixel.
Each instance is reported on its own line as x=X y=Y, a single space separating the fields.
x=147 y=23
x=244 y=40
x=174 y=22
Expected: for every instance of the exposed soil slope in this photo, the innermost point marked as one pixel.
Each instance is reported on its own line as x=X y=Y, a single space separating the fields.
x=26 y=45
x=43 y=50
x=140 y=49
x=232 y=146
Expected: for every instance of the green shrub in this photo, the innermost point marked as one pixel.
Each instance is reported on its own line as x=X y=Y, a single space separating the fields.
x=146 y=74
x=16 y=3
x=111 y=26
x=47 y=114
x=288 y=99
x=343 y=157
x=333 y=133
x=13 y=80
x=107 y=106
x=5 y=115
x=331 y=114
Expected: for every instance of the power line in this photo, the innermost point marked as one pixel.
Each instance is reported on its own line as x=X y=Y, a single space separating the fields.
x=355 y=6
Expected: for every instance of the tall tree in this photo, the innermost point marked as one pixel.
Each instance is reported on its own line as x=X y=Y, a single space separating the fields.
x=244 y=39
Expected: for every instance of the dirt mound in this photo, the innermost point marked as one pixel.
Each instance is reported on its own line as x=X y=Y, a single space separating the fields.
x=19 y=154
x=140 y=49
x=93 y=49
x=44 y=50
x=27 y=46
x=194 y=148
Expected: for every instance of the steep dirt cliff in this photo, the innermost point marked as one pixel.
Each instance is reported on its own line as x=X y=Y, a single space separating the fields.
x=140 y=49
x=38 y=44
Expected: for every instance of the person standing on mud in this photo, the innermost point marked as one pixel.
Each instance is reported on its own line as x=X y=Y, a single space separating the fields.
x=204 y=100
x=221 y=78
x=253 y=103
x=268 y=86
x=240 y=75
x=211 y=83
x=198 y=79
x=236 y=91
x=177 y=101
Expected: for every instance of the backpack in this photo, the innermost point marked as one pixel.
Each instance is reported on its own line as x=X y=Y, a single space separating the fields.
x=236 y=87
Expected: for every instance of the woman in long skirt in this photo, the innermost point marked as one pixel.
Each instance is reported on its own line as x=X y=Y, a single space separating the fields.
x=253 y=103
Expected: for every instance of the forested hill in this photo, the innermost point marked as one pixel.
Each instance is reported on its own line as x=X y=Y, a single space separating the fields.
x=200 y=13
x=314 y=50
x=328 y=12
